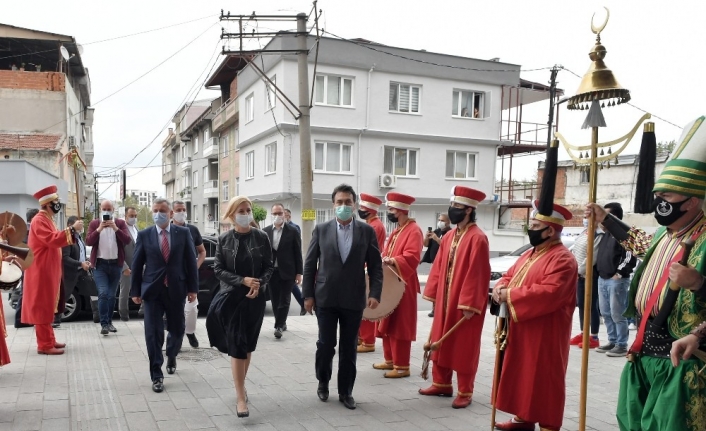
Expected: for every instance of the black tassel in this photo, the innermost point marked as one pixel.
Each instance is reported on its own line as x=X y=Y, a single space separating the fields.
x=646 y=171
x=546 y=195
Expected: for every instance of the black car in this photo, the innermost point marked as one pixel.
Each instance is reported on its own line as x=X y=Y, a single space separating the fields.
x=79 y=301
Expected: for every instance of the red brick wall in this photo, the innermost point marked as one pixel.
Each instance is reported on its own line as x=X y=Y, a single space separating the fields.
x=50 y=81
x=560 y=188
x=234 y=88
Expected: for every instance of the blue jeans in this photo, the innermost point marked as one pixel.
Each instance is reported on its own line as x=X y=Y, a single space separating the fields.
x=107 y=278
x=612 y=301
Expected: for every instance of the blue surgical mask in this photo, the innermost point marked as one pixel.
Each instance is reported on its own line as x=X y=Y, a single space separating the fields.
x=344 y=212
x=160 y=219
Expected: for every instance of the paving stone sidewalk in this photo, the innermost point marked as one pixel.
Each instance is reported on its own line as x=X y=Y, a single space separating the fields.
x=102 y=383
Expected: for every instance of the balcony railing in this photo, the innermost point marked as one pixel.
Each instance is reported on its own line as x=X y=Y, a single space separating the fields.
x=168 y=176
x=211 y=227
x=210 y=148
x=225 y=115
x=185 y=194
x=210 y=189
x=186 y=164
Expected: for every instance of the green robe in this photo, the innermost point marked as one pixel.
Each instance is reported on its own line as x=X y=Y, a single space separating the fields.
x=654 y=395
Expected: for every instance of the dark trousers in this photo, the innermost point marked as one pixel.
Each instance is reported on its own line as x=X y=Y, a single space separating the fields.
x=281 y=297
x=329 y=319
x=595 y=312
x=18 y=313
x=297 y=292
x=155 y=309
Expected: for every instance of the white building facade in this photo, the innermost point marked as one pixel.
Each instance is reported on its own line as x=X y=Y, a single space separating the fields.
x=379 y=123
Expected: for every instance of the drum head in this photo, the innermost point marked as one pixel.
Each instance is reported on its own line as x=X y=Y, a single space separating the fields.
x=392 y=291
x=15 y=228
x=10 y=276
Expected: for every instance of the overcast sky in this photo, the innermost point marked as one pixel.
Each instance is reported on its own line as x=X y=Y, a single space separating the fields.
x=654 y=48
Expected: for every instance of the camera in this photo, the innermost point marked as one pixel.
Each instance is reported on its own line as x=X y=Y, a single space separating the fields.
x=106 y=217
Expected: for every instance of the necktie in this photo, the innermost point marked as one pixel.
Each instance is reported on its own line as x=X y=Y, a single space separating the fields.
x=165 y=250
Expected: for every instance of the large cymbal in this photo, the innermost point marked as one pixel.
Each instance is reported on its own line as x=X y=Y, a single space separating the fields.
x=13 y=228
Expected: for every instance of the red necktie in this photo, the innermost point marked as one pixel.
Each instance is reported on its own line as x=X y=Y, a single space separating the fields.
x=165 y=250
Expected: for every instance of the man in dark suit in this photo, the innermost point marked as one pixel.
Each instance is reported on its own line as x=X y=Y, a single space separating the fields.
x=163 y=274
x=287 y=259
x=126 y=279
x=74 y=259
x=334 y=283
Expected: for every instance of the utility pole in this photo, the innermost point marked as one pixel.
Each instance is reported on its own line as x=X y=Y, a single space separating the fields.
x=306 y=173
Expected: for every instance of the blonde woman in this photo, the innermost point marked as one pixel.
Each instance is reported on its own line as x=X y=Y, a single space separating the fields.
x=243 y=264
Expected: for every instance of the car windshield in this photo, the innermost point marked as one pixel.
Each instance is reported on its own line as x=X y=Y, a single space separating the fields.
x=568 y=242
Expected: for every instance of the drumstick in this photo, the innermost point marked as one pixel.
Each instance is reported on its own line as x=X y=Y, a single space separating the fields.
x=392 y=268
x=435 y=346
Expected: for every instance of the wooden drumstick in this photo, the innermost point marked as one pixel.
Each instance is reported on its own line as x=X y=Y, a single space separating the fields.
x=435 y=346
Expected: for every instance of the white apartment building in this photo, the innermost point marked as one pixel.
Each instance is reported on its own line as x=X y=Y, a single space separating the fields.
x=143 y=197
x=380 y=123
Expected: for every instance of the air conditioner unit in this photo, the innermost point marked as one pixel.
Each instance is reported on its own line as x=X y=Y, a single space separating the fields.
x=387 y=181
x=72 y=142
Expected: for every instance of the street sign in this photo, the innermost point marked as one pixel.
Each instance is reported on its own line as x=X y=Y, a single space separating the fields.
x=308 y=215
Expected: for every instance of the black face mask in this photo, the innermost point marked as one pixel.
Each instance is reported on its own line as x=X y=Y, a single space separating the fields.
x=363 y=214
x=666 y=213
x=456 y=215
x=55 y=207
x=535 y=236
x=393 y=218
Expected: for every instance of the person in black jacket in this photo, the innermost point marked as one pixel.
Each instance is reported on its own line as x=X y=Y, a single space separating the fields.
x=287 y=260
x=243 y=264
x=74 y=260
x=614 y=265
x=432 y=240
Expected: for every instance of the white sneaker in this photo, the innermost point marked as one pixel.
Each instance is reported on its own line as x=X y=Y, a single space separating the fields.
x=632 y=327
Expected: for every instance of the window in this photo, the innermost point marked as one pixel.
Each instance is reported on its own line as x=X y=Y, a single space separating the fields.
x=322 y=216
x=225 y=190
x=249 y=109
x=271 y=158
x=237 y=186
x=205 y=174
x=184 y=152
x=585 y=176
x=404 y=97
x=205 y=213
x=332 y=157
x=196 y=179
x=270 y=94
x=334 y=90
x=206 y=134
x=196 y=214
x=196 y=142
x=225 y=144
x=467 y=104
x=250 y=165
x=401 y=161
x=460 y=165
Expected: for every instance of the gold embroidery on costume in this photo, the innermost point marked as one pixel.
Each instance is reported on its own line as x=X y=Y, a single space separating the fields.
x=520 y=275
x=451 y=266
x=696 y=405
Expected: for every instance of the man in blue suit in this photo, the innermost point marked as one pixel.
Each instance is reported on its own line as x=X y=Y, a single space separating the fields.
x=163 y=275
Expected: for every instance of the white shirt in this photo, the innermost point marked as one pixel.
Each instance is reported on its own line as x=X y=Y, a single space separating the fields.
x=107 y=245
x=133 y=232
x=276 y=236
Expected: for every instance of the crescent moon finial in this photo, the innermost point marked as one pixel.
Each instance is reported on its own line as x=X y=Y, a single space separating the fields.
x=599 y=29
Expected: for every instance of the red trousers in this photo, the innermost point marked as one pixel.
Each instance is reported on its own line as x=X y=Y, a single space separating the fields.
x=442 y=378
x=397 y=352
x=367 y=333
x=45 y=336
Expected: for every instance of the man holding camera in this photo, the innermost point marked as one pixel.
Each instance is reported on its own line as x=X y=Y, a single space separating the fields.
x=108 y=237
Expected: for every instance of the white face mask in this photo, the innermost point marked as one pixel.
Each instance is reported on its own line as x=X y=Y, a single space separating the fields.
x=277 y=220
x=243 y=220
x=179 y=217
x=131 y=221
x=441 y=225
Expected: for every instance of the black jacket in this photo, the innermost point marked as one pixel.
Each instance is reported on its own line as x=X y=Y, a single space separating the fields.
x=288 y=255
x=333 y=283
x=227 y=249
x=71 y=260
x=433 y=247
x=613 y=259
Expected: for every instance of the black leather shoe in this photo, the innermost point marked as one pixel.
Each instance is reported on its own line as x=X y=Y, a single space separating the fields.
x=96 y=318
x=284 y=327
x=171 y=365
x=112 y=328
x=322 y=391
x=278 y=333
x=193 y=341
x=347 y=401
x=158 y=385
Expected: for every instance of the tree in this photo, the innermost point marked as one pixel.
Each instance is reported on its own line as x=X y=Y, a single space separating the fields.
x=258 y=213
x=666 y=147
x=144 y=213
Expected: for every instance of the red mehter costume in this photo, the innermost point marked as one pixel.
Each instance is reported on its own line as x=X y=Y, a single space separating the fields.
x=400 y=328
x=40 y=288
x=541 y=298
x=371 y=204
x=4 y=352
x=458 y=282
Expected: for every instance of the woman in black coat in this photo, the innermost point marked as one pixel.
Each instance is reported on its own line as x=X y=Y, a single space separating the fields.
x=243 y=264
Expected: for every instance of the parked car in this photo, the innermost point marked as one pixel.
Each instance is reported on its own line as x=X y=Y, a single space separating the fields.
x=79 y=301
x=500 y=265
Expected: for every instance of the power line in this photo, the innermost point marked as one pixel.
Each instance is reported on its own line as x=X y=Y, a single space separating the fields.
x=113 y=38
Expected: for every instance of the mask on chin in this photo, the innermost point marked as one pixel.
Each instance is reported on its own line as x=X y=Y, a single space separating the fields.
x=667 y=213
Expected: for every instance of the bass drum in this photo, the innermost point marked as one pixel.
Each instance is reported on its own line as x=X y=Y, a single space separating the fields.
x=392 y=291
x=10 y=276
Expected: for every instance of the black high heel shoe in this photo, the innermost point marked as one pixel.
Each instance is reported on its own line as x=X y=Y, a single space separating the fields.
x=243 y=414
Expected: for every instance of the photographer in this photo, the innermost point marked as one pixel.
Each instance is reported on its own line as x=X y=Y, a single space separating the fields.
x=108 y=237
x=432 y=239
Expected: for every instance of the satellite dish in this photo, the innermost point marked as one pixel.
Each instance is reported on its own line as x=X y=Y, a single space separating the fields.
x=64 y=52
x=79 y=47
